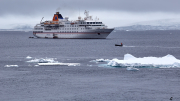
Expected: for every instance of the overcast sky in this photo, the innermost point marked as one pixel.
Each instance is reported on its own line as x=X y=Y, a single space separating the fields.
x=112 y=12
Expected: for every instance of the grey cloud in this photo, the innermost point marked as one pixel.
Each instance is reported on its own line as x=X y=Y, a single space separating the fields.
x=33 y=7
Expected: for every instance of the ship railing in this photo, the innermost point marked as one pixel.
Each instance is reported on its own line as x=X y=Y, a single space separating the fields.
x=51 y=22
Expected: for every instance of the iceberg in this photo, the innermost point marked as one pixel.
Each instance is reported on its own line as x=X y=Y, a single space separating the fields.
x=132 y=61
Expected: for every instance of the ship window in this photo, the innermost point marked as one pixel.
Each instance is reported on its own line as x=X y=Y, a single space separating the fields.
x=87 y=22
x=90 y=22
x=93 y=22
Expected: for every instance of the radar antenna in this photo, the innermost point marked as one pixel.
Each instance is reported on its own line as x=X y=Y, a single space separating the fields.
x=41 y=19
x=86 y=13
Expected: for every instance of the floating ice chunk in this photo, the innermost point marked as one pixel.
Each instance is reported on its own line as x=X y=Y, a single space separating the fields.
x=130 y=60
x=28 y=57
x=74 y=64
x=114 y=63
x=11 y=66
x=36 y=65
x=42 y=60
x=132 y=69
x=62 y=64
x=34 y=60
x=100 y=60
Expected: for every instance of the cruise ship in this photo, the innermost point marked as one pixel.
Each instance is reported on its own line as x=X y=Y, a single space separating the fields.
x=59 y=27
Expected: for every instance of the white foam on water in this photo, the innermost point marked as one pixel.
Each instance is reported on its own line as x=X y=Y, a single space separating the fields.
x=129 y=46
x=150 y=46
x=89 y=65
x=132 y=69
x=28 y=57
x=131 y=61
x=11 y=66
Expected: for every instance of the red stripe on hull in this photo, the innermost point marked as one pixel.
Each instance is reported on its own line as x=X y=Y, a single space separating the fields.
x=68 y=33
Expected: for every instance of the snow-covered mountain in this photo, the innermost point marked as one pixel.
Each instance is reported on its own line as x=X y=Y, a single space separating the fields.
x=166 y=24
x=18 y=27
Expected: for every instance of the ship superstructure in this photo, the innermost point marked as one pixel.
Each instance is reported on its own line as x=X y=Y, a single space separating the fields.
x=60 y=27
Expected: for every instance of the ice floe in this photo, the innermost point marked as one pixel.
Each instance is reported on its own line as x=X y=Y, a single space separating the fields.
x=50 y=62
x=43 y=60
x=28 y=57
x=11 y=66
x=100 y=60
x=74 y=64
x=131 y=61
x=62 y=64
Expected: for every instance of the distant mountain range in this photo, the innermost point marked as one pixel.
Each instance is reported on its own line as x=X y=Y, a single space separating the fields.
x=19 y=28
x=148 y=27
x=166 y=24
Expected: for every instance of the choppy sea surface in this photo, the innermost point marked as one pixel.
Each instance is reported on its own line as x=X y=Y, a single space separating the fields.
x=22 y=79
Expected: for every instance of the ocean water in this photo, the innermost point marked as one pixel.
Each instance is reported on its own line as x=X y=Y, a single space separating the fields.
x=91 y=81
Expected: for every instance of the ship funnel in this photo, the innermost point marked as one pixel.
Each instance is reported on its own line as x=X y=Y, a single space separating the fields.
x=57 y=16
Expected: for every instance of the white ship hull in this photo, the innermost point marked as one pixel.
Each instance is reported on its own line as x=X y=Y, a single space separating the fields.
x=82 y=35
x=93 y=34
